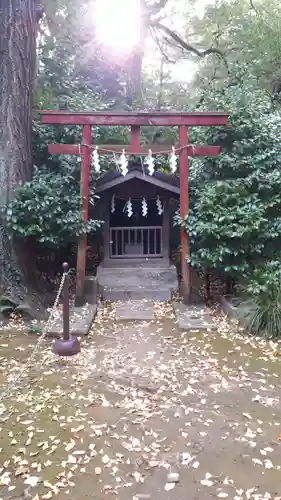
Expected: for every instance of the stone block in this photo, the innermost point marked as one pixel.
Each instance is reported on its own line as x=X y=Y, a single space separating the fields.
x=91 y=289
x=135 y=310
x=81 y=319
x=193 y=317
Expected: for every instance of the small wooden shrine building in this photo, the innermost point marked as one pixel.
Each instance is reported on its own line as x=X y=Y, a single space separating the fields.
x=137 y=211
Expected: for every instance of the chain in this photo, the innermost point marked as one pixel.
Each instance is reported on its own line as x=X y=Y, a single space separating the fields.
x=8 y=391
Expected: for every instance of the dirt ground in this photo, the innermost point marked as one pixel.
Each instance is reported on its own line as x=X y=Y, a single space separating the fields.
x=144 y=412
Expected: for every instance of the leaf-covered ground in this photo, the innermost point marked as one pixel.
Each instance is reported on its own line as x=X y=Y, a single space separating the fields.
x=144 y=412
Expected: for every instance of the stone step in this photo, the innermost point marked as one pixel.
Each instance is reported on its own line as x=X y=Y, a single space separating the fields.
x=136 y=294
x=156 y=283
x=136 y=263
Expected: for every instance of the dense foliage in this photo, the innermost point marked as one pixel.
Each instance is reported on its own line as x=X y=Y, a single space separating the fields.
x=259 y=308
x=248 y=33
x=47 y=208
x=235 y=212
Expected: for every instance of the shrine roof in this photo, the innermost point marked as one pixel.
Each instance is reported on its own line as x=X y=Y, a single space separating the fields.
x=160 y=179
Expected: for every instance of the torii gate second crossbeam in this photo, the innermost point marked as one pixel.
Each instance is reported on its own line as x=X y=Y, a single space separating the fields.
x=134 y=120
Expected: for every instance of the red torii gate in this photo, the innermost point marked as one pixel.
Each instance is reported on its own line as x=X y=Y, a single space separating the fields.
x=134 y=120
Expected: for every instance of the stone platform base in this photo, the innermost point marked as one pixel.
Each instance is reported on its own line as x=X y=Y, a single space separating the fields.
x=137 y=283
x=81 y=319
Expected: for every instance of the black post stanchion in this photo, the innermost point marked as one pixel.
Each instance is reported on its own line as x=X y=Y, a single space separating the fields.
x=66 y=346
x=65 y=295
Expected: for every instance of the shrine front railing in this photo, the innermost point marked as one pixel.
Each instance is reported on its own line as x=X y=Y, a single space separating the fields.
x=136 y=242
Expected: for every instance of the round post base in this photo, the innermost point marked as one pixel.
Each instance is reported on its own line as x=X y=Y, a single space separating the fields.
x=69 y=347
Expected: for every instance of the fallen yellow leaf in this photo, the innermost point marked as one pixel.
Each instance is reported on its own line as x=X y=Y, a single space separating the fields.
x=21 y=470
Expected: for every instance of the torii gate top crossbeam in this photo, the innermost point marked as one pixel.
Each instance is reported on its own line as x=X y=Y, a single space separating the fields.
x=156 y=119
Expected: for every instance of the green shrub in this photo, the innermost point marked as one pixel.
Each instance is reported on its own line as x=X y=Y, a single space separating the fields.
x=234 y=218
x=47 y=208
x=260 y=309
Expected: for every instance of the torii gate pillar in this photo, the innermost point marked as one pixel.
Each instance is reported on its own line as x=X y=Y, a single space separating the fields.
x=185 y=284
x=135 y=121
x=84 y=193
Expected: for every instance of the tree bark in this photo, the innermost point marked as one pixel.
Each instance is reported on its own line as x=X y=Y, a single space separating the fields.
x=148 y=12
x=18 y=28
x=135 y=64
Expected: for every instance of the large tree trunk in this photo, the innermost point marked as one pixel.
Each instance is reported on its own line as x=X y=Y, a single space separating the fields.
x=133 y=91
x=148 y=11
x=18 y=27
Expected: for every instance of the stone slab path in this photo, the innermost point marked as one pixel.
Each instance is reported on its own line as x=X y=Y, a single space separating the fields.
x=193 y=317
x=135 y=310
x=205 y=406
x=143 y=400
x=186 y=317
